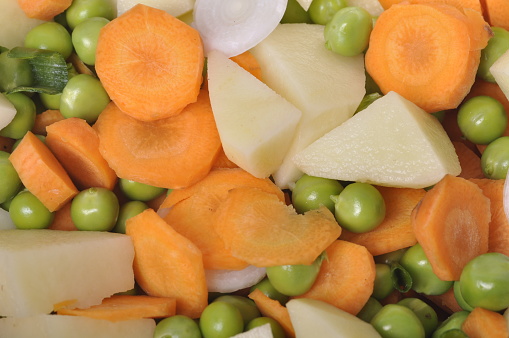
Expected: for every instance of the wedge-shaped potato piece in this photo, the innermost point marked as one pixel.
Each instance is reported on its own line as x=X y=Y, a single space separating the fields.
x=500 y=71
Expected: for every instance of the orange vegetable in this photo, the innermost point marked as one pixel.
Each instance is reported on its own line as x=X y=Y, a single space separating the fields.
x=346 y=277
x=192 y=212
x=79 y=65
x=498 y=13
x=473 y=4
x=43 y=9
x=76 y=145
x=452 y=225
x=62 y=219
x=166 y=264
x=470 y=162
x=259 y=228
x=482 y=323
x=428 y=53
x=41 y=173
x=172 y=153
x=272 y=308
x=126 y=307
x=44 y=119
x=222 y=161
x=395 y=232
x=446 y=301
x=247 y=61
x=150 y=63
x=499 y=226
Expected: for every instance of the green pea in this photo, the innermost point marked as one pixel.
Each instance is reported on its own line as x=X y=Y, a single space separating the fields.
x=294 y=280
x=311 y=192
x=126 y=211
x=459 y=297
x=221 y=319
x=85 y=37
x=178 y=326
x=270 y=291
x=50 y=101
x=83 y=97
x=322 y=11
x=395 y=321
x=359 y=207
x=347 y=33
x=391 y=257
x=28 y=212
x=383 y=281
x=497 y=45
x=424 y=279
x=482 y=119
x=453 y=322
x=11 y=182
x=294 y=13
x=369 y=310
x=51 y=36
x=246 y=306
x=424 y=312
x=484 y=281
x=80 y=10
x=15 y=73
x=495 y=159
x=95 y=209
x=137 y=191
x=23 y=120
x=275 y=327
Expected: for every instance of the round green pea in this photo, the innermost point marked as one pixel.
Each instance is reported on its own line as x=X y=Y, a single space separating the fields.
x=294 y=13
x=347 y=33
x=453 y=322
x=85 y=37
x=28 y=212
x=15 y=73
x=178 y=326
x=11 y=182
x=311 y=192
x=270 y=291
x=51 y=36
x=221 y=320
x=459 y=297
x=246 y=306
x=359 y=208
x=322 y=11
x=23 y=120
x=395 y=321
x=497 y=45
x=370 y=309
x=51 y=101
x=425 y=313
x=495 y=159
x=137 y=191
x=126 y=211
x=95 y=209
x=80 y=10
x=383 y=281
x=275 y=327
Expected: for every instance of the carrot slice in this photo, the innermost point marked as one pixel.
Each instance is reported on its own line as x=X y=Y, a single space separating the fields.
x=126 y=307
x=150 y=63
x=259 y=228
x=452 y=225
x=395 y=232
x=43 y=9
x=76 y=145
x=272 y=308
x=474 y=4
x=470 y=162
x=499 y=226
x=425 y=53
x=41 y=173
x=498 y=13
x=192 y=212
x=171 y=153
x=482 y=323
x=348 y=266
x=166 y=264
x=44 y=119
x=62 y=219
x=222 y=161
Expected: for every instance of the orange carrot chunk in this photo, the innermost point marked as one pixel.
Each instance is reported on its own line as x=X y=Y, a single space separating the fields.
x=452 y=225
x=272 y=308
x=172 y=153
x=247 y=61
x=126 y=307
x=473 y=4
x=258 y=227
x=395 y=232
x=426 y=53
x=498 y=13
x=62 y=219
x=346 y=277
x=76 y=145
x=166 y=264
x=470 y=162
x=41 y=173
x=150 y=63
x=44 y=119
x=482 y=323
x=446 y=301
x=43 y=9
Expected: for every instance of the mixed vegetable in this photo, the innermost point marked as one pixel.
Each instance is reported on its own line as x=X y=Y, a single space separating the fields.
x=113 y=130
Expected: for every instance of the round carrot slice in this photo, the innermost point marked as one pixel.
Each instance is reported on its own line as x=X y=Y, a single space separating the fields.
x=150 y=63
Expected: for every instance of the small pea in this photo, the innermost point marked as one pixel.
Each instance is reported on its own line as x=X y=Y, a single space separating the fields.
x=24 y=119
x=50 y=36
x=395 y=321
x=425 y=313
x=221 y=319
x=497 y=45
x=270 y=291
x=453 y=322
x=85 y=37
x=11 y=183
x=137 y=191
x=126 y=211
x=459 y=297
x=383 y=281
x=246 y=306
x=495 y=159
x=178 y=326
x=275 y=327
x=28 y=212
x=80 y=10
x=322 y=11
x=95 y=209
x=311 y=192
x=369 y=310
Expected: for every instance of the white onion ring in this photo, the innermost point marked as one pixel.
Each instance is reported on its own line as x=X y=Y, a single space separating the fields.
x=226 y=281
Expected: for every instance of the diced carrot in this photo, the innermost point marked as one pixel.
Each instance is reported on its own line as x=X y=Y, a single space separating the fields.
x=432 y=65
x=6 y=143
x=259 y=228
x=155 y=203
x=474 y=4
x=499 y=226
x=126 y=307
x=446 y=301
x=192 y=212
x=76 y=145
x=150 y=63
x=395 y=232
x=482 y=323
x=470 y=162
x=172 y=153
x=452 y=225
x=346 y=278
x=498 y=13
x=62 y=219
x=222 y=161
x=43 y=9
x=247 y=61
x=44 y=119
x=41 y=173
x=166 y=264
x=272 y=308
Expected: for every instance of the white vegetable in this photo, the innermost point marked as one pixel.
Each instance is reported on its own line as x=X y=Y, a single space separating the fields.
x=7 y=111
x=15 y=24
x=234 y=26
x=500 y=71
x=5 y=220
x=263 y=331
x=226 y=281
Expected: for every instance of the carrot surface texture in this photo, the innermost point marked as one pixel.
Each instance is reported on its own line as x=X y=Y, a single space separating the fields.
x=150 y=63
x=43 y=9
x=452 y=225
x=428 y=53
x=272 y=308
x=166 y=264
x=172 y=153
x=41 y=173
x=473 y=4
x=482 y=323
x=44 y=119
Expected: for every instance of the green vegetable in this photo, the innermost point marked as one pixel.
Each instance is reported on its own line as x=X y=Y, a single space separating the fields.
x=391 y=257
x=80 y=10
x=23 y=120
x=85 y=37
x=322 y=11
x=139 y=191
x=270 y=291
x=95 y=209
x=401 y=278
x=497 y=46
x=370 y=309
x=246 y=306
x=27 y=212
x=395 y=321
x=453 y=322
x=126 y=211
x=51 y=101
x=424 y=312
x=311 y=192
x=51 y=36
x=383 y=281
x=295 y=13
x=459 y=297
x=178 y=326
x=367 y=100
x=276 y=328
x=15 y=73
x=495 y=159
x=221 y=319
x=11 y=182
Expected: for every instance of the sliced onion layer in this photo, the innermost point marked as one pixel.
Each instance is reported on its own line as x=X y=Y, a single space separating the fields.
x=226 y=281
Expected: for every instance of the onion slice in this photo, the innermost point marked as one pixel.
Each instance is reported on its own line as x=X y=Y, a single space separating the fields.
x=234 y=26
x=506 y=198
x=226 y=281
